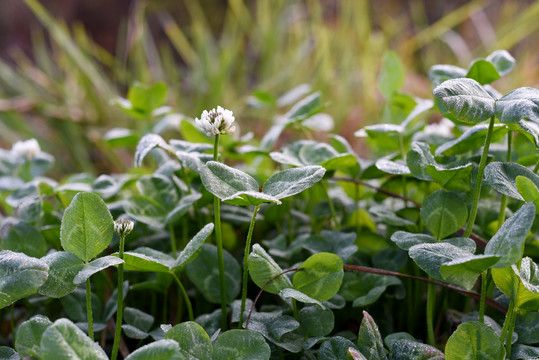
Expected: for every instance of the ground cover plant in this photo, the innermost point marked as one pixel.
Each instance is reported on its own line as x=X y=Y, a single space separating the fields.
x=426 y=251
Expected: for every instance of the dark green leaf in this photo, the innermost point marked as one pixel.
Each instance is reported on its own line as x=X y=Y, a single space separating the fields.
x=443 y=213
x=7 y=353
x=146 y=210
x=292 y=181
x=147 y=259
x=474 y=341
x=440 y=73
x=464 y=271
x=29 y=335
x=193 y=246
x=20 y=276
x=279 y=329
x=192 y=339
x=316 y=321
x=25 y=238
x=158 y=350
x=527 y=327
x=299 y=296
x=147 y=144
x=430 y=257
x=502 y=177
x=524 y=352
x=241 y=344
x=405 y=240
x=204 y=274
x=335 y=348
x=369 y=340
x=471 y=139
x=507 y=242
x=87 y=226
x=466 y=100
x=522 y=103
x=96 y=266
x=181 y=208
x=63 y=267
x=413 y=350
x=138 y=319
x=64 y=340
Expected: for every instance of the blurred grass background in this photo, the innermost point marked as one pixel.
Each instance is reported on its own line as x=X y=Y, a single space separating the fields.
x=62 y=62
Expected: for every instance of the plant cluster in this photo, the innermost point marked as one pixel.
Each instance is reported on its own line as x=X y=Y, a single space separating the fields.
x=435 y=238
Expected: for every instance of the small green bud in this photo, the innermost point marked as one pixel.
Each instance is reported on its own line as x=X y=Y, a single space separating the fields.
x=123 y=227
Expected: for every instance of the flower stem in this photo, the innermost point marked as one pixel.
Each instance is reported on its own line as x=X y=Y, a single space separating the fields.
x=185 y=296
x=173 y=247
x=334 y=221
x=219 y=243
x=479 y=180
x=89 y=309
x=431 y=299
x=484 y=283
x=503 y=203
x=120 y=293
x=246 y=263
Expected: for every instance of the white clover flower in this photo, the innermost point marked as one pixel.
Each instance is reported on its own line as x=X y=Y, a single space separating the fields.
x=123 y=227
x=216 y=121
x=26 y=149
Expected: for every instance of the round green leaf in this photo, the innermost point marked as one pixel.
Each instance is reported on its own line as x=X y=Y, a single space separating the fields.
x=146 y=210
x=316 y=321
x=443 y=213
x=64 y=340
x=25 y=238
x=474 y=341
x=293 y=181
x=87 y=226
x=20 y=276
x=192 y=339
x=483 y=71
x=412 y=350
x=204 y=274
x=145 y=145
x=320 y=276
x=464 y=271
x=29 y=335
x=263 y=268
x=147 y=259
x=430 y=257
x=224 y=181
x=466 y=100
x=241 y=344
x=7 y=353
x=158 y=350
x=63 y=267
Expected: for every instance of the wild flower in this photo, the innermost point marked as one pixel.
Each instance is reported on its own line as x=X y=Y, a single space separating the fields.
x=216 y=121
x=123 y=227
x=26 y=150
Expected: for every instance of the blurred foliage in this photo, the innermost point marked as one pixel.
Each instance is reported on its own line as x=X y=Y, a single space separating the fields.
x=212 y=53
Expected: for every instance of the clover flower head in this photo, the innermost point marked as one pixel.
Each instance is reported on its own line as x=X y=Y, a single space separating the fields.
x=26 y=149
x=123 y=227
x=216 y=121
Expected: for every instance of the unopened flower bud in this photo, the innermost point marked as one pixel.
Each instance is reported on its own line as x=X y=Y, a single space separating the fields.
x=123 y=227
x=216 y=121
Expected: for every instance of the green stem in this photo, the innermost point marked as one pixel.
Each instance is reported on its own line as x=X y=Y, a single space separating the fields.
x=510 y=335
x=484 y=277
x=185 y=297
x=536 y=168
x=479 y=181
x=120 y=301
x=331 y=206
x=219 y=243
x=246 y=264
x=173 y=247
x=12 y=320
x=503 y=204
x=89 y=309
x=403 y=154
x=431 y=299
